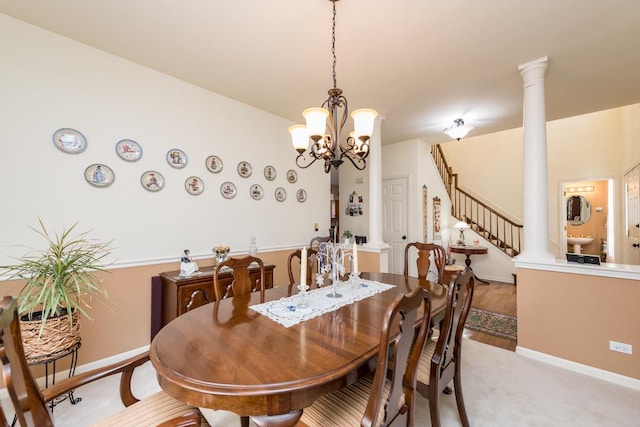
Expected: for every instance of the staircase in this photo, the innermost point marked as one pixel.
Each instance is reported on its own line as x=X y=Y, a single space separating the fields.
x=502 y=232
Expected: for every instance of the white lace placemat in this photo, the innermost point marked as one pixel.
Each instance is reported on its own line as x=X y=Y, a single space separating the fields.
x=288 y=312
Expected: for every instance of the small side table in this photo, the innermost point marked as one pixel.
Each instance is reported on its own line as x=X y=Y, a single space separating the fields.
x=468 y=251
x=449 y=271
x=49 y=360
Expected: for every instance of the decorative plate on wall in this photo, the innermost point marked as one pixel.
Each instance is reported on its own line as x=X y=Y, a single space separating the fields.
x=177 y=158
x=214 y=164
x=99 y=175
x=194 y=185
x=228 y=190
x=292 y=176
x=244 y=169
x=152 y=181
x=256 y=192
x=270 y=173
x=301 y=195
x=281 y=194
x=128 y=150
x=69 y=141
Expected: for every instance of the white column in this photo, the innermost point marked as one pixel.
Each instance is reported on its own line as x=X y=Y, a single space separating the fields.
x=375 y=185
x=534 y=157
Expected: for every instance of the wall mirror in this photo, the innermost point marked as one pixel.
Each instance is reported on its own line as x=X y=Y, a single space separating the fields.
x=578 y=210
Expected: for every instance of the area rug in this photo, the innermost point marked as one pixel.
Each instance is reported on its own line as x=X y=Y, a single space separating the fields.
x=500 y=325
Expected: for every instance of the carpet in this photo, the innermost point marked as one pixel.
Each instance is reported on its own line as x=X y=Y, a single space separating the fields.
x=501 y=389
x=500 y=325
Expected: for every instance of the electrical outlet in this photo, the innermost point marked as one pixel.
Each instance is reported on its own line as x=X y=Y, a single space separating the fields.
x=315 y=226
x=621 y=347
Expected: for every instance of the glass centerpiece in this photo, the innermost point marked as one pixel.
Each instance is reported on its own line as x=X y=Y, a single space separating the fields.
x=331 y=259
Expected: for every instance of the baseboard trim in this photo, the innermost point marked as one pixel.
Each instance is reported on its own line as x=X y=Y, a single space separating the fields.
x=611 y=377
x=107 y=361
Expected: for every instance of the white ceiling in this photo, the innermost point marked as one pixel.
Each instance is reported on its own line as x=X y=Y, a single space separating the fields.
x=420 y=63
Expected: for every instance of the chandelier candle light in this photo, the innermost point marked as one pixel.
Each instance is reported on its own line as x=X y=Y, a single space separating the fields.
x=354 y=259
x=331 y=117
x=302 y=287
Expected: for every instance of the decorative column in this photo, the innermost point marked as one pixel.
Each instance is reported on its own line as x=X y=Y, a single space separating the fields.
x=375 y=185
x=534 y=157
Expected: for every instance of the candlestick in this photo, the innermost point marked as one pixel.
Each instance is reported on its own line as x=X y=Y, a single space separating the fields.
x=355 y=259
x=303 y=267
x=336 y=258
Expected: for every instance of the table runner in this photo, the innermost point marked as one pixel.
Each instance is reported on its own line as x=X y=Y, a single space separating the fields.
x=286 y=311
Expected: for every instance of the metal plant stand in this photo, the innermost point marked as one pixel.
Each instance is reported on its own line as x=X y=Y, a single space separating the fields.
x=49 y=362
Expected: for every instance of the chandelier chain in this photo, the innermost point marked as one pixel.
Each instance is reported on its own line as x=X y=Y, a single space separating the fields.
x=333 y=43
x=320 y=139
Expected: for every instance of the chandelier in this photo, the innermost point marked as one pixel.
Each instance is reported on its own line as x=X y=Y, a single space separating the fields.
x=313 y=138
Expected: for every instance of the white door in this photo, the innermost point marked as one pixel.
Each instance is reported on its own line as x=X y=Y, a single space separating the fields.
x=632 y=223
x=395 y=217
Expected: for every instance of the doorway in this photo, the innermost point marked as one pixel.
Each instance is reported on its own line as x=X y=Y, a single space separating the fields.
x=632 y=218
x=395 y=220
x=594 y=219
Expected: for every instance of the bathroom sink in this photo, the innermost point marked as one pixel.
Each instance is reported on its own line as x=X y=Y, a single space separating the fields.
x=578 y=242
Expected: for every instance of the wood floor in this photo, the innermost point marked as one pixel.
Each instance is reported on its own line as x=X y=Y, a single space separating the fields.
x=499 y=298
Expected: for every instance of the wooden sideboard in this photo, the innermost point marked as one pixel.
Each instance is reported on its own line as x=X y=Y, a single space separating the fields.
x=175 y=295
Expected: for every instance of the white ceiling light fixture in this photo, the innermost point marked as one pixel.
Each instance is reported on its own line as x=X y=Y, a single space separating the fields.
x=330 y=118
x=458 y=130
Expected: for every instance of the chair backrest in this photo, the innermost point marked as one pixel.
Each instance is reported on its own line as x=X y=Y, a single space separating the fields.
x=426 y=252
x=24 y=393
x=241 y=282
x=446 y=356
x=315 y=241
x=293 y=265
x=239 y=312
x=403 y=342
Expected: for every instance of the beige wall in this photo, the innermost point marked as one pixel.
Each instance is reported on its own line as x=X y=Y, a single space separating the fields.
x=49 y=82
x=592 y=146
x=574 y=316
x=501 y=154
x=125 y=324
x=630 y=136
x=413 y=159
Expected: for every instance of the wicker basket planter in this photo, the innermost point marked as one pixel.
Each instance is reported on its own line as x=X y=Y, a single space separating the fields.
x=57 y=336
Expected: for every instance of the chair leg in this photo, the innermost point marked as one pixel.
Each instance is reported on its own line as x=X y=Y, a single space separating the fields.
x=434 y=407
x=462 y=411
x=244 y=421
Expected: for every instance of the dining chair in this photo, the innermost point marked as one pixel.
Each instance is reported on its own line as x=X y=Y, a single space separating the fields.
x=29 y=404
x=241 y=282
x=294 y=262
x=440 y=360
x=315 y=241
x=426 y=253
x=387 y=396
x=240 y=312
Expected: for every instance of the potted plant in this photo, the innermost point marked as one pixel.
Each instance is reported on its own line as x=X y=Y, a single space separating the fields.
x=347 y=235
x=60 y=282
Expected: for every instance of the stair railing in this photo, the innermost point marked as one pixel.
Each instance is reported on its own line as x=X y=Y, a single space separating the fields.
x=495 y=227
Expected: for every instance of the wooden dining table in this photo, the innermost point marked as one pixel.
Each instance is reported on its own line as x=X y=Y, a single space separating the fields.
x=224 y=355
